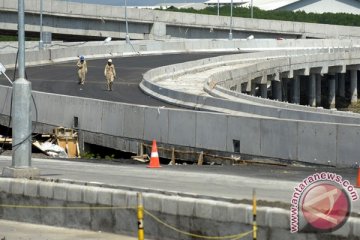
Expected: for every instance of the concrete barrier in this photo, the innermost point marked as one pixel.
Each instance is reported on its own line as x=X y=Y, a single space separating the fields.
x=113 y=210
x=101 y=21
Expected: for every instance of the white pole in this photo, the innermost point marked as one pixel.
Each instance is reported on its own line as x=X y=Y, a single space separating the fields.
x=252 y=9
x=218 y=5
x=231 y=20
x=126 y=24
x=41 y=43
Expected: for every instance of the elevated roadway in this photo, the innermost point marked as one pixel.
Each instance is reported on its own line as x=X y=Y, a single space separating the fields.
x=61 y=78
x=80 y=20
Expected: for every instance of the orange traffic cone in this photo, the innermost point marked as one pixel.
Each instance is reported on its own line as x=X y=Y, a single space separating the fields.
x=154 y=159
x=358 y=179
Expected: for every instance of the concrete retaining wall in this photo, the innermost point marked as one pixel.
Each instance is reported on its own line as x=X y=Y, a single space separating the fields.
x=78 y=206
x=127 y=128
x=65 y=17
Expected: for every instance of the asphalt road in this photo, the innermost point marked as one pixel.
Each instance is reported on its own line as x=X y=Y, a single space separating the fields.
x=274 y=184
x=62 y=78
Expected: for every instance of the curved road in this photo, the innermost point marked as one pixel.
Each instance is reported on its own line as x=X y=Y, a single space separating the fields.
x=62 y=78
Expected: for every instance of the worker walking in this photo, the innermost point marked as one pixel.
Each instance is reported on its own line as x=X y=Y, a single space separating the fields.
x=82 y=69
x=110 y=74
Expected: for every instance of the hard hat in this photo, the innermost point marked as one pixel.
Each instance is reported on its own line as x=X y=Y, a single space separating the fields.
x=110 y=61
x=82 y=58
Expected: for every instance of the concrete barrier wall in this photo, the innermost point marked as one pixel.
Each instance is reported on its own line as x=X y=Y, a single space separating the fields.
x=110 y=209
x=103 y=20
x=70 y=51
x=284 y=139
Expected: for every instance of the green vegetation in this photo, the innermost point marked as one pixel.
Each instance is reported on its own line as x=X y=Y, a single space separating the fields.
x=299 y=16
x=10 y=38
x=89 y=155
x=5 y=38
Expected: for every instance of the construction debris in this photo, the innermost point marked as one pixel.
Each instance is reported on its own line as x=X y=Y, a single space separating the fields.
x=62 y=143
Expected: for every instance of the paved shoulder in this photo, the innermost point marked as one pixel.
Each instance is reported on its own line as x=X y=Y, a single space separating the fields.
x=10 y=230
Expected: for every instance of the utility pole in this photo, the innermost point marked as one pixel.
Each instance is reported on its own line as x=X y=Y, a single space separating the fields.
x=252 y=9
x=126 y=24
x=21 y=113
x=231 y=20
x=41 y=42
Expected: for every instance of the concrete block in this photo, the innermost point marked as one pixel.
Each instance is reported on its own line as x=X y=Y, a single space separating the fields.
x=75 y=193
x=348 y=151
x=221 y=211
x=46 y=189
x=321 y=135
x=60 y=191
x=104 y=196
x=91 y=195
x=204 y=208
x=78 y=218
x=276 y=218
x=278 y=233
x=53 y=216
x=169 y=205
x=31 y=188
x=112 y=119
x=279 y=139
x=17 y=186
x=131 y=199
x=182 y=128
x=91 y=115
x=344 y=231
x=134 y=122
x=355 y=226
x=211 y=130
x=152 y=202
x=156 y=124
x=89 y=9
x=119 y=198
x=5 y=184
x=186 y=206
x=126 y=221
x=239 y=213
x=245 y=130
x=53 y=115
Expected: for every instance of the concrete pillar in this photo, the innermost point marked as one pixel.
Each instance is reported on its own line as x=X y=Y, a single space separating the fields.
x=332 y=90
x=285 y=90
x=312 y=90
x=276 y=89
x=318 y=90
x=336 y=84
x=342 y=84
x=158 y=30
x=263 y=90
x=296 y=90
x=253 y=89
x=353 y=86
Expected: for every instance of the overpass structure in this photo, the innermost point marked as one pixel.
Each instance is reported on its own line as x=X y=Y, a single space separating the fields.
x=100 y=21
x=230 y=120
x=291 y=70
x=251 y=127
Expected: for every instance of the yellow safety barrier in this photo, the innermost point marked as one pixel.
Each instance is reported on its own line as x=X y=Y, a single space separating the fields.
x=140 y=215
x=254 y=215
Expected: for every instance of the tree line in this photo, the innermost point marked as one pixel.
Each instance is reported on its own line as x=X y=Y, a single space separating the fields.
x=298 y=16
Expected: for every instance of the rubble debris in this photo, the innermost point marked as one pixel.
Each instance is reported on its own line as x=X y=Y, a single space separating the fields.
x=62 y=143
